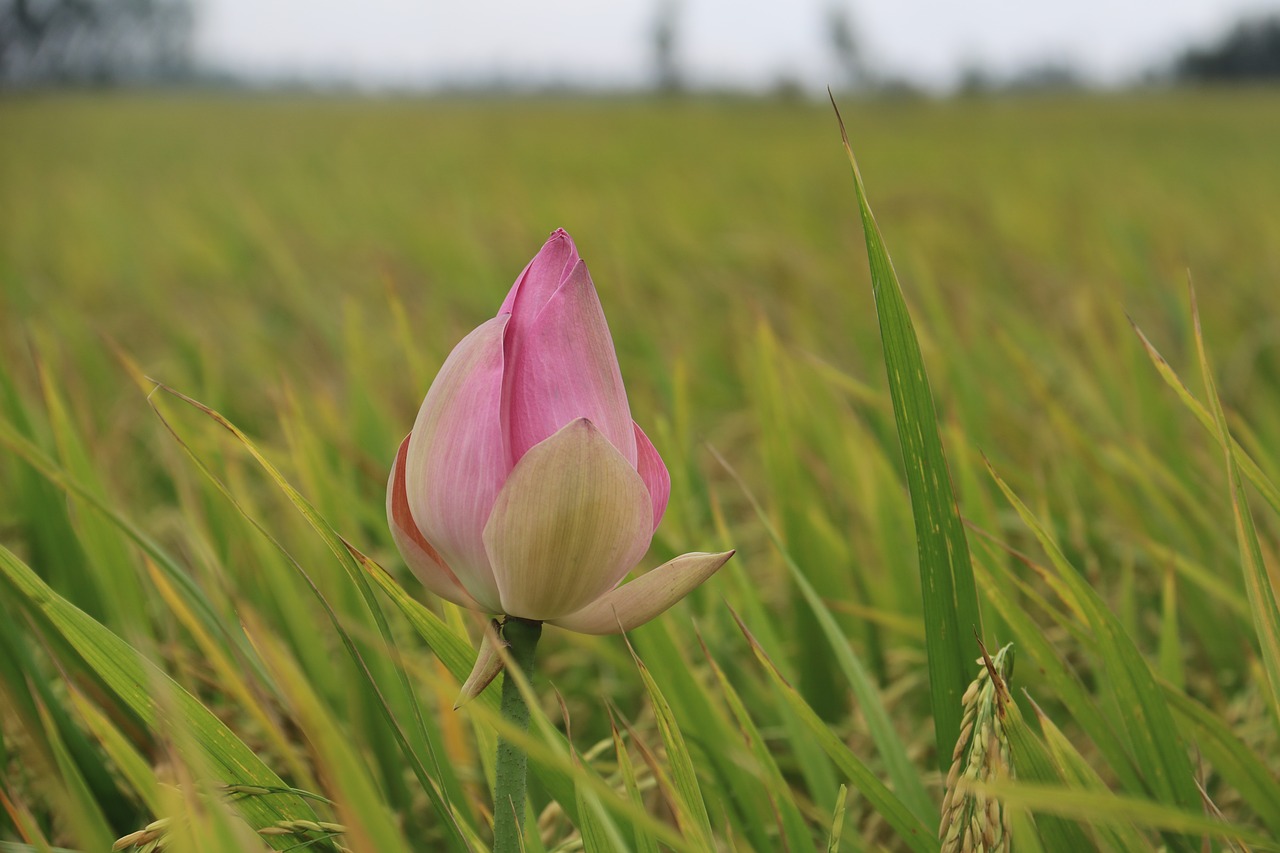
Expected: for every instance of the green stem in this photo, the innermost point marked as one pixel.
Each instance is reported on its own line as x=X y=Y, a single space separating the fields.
x=509 y=792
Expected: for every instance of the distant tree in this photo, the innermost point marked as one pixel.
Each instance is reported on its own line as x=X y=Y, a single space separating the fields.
x=665 y=35
x=1249 y=51
x=94 y=41
x=974 y=79
x=1050 y=76
x=842 y=36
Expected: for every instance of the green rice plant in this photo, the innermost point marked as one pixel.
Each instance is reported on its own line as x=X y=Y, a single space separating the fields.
x=211 y=628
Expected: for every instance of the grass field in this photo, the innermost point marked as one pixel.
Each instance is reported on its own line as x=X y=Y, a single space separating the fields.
x=303 y=267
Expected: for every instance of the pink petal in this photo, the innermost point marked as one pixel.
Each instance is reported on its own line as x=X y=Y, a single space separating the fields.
x=571 y=521
x=418 y=554
x=654 y=473
x=564 y=367
x=541 y=278
x=635 y=603
x=456 y=462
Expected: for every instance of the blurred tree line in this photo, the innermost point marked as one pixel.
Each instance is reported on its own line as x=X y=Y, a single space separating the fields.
x=1250 y=50
x=95 y=41
x=122 y=42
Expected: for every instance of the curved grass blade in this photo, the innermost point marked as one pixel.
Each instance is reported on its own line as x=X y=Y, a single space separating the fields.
x=644 y=840
x=1032 y=763
x=1154 y=740
x=1257 y=583
x=903 y=775
x=913 y=832
x=337 y=545
x=795 y=831
x=691 y=811
x=1248 y=467
x=1104 y=807
x=134 y=680
x=951 y=614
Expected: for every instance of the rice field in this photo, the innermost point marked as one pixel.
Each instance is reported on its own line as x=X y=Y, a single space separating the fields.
x=187 y=638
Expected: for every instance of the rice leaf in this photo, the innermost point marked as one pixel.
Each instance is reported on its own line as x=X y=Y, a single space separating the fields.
x=1032 y=763
x=913 y=832
x=794 y=830
x=1102 y=807
x=691 y=810
x=338 y=547
x=1156 y=744
x=133 y=679
x=1257 y=583
x=644 y=840
x=951 y=615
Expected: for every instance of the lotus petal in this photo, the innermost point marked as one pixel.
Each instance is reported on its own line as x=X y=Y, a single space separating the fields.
x=456 y=461
x=571 y=521
x=488 y=665
x=654 y=473
x=421 y=558
x=541 y=278
x=635 y=603
x=562 y=367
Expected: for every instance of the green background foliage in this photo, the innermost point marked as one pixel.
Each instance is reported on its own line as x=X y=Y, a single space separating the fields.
x=303 y=266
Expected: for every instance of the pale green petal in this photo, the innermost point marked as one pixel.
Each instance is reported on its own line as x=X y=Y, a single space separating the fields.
x=633 y=604
x=572 y=519
x=488 y=665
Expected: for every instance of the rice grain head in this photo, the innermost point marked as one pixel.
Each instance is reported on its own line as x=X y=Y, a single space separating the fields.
x=972 y=822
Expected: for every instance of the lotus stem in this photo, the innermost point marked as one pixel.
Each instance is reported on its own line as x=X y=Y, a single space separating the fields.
x=521 y=636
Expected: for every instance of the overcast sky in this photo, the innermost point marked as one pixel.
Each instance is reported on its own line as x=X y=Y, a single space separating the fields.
x=739 y=42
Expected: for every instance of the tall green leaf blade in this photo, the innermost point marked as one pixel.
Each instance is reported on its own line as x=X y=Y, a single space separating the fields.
x=644 y=840
x=1248 y=467
x=1075 y=770
x=951 y=615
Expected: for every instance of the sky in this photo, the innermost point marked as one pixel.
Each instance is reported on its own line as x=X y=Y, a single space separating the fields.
x=747 y=43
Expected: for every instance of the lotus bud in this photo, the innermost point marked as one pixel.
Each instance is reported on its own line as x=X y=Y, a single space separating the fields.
x=525 y=488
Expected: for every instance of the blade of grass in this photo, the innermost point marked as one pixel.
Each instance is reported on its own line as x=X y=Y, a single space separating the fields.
x=1207 y=419
x=644 y=840
x=134 y=681
x=338 y=547
x=1076 y=772
x=691 y=811
x=1105 y=807
x=913 y=832
x=905 y=777
x=795 y=832
x=1257 y=583
x=1032 y=763
x=88 y=823
x=1155 y=741
x=837 y=822
x=951 y=614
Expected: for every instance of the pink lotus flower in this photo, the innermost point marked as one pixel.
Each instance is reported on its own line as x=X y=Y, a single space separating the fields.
x=525 y=487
